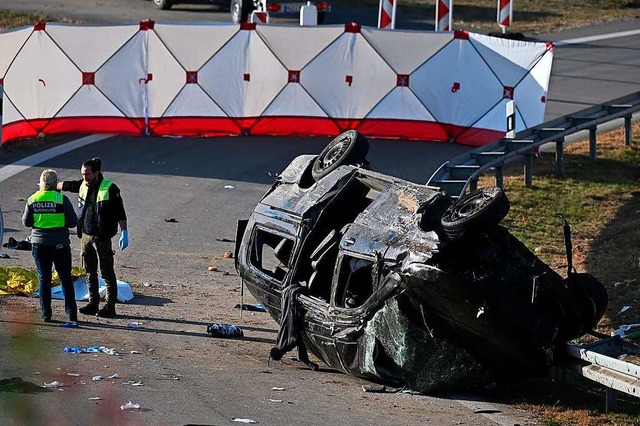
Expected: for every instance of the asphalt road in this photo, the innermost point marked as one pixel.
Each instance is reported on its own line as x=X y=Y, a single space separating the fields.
x=185 y=179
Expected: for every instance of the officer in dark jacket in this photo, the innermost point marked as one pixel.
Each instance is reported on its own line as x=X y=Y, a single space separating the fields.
x=101 y=211
x=50 y=214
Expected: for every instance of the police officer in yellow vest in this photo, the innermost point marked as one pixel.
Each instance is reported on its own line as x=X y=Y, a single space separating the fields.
x=101 y=211
x=50 y=214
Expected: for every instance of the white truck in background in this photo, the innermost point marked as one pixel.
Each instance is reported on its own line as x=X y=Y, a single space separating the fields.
x=241 y=9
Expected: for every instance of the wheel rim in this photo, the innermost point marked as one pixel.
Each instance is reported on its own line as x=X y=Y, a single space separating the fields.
x=471 y=205
x=334 y=153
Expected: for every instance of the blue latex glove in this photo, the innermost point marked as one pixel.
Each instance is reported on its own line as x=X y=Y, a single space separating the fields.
x=124 y=239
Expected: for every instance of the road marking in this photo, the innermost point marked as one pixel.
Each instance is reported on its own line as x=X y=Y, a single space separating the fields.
x=582 y=40
x=23 y=164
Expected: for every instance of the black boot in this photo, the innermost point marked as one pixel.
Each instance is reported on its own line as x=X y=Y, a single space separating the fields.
x=107 y=311
x=89 y=309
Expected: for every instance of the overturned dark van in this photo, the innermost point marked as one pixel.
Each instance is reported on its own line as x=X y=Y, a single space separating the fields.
x=402 y=283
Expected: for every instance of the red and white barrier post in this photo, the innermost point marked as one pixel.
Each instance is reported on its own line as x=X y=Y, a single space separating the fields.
x=387 y=14
x=505 y=14
x=443 y=15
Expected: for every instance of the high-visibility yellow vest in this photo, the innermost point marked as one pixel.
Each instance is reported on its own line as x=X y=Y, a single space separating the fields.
x=103 y=192
x=48 y=209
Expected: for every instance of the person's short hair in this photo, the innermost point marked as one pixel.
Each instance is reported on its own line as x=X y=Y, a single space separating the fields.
x=48 y=180
x=94 y=164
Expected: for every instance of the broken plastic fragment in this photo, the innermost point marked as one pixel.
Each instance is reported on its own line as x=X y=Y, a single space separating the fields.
x=97 y=378
x=53 y=385
x=229 y=187
x=95 y=398
x=134 y=324
x=374 y=388
x=275 y=400
x=69 y=325
x=240 y=420
x=277 y=389
x=622 y=330
x=74 y=374
x=625 y=308
x=73 y=350
x=130 y=406
x=114 y=376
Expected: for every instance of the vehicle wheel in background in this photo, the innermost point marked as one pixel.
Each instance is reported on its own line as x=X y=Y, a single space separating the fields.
x=240 y=10
x=162 y=4
x=349 y=147
x=480 y=209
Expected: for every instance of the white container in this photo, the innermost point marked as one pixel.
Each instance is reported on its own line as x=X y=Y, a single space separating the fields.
x=308 y=15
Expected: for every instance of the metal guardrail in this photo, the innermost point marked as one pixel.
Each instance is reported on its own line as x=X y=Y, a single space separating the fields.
x=461 y=173
x=609 y=362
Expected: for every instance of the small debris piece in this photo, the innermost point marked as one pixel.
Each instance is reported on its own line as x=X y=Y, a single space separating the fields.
x=172 y=220
x=278 y=389
x=240 y=420
x=74 y=374
x=227 y=255
x=276 y=400
x=225 y=273
x=53 y=385
x=224 y=330
x=95 y=398
x=130 y=406
x=134 y=324
x=135 y=352
x=225 y=240
x=257 y=307
x=114 y=376
x=97 y=378
x=69 y=325
x=213 y=268
x=374 y=388
x=229 y=187
x=487 y=411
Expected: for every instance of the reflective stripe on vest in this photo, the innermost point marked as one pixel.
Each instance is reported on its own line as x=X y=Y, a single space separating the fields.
x=103 y=192
x=48 y=209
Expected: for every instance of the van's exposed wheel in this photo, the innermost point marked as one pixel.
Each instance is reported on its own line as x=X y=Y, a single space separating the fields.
x=349 y=147
x=162 y=4
x=595 y=292
x=240 y=10
x=480 y=209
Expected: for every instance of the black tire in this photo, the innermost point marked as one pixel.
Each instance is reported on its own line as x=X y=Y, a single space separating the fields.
x=241 y=10
x=595 y=292
x=162 y=4
x=480 y=209
x=349 y=147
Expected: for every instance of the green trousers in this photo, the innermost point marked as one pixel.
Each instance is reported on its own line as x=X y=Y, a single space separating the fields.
x=97 y=251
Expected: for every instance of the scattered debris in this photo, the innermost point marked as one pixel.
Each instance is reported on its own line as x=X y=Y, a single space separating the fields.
x=135 y=352
x=622 y=330
x=95 y=398
x=275 y=400
x=146 y=284
x=240 y=420
x=4 y=256
x=90 y=349
x=225 y=240
x=97 y=378
x=487 y=411
x=114 y=376
x=130 y=406
x=213 y=268
x=172 y=220
x=374 y=388
x=624 y=309
x=70 y=325
x=256 y=307
x=74 y=374
x=227 y=255
x=17 y=245
x=53 y=385
x=224 y=330
x=134 y=324
x=132 y=383
x=229 y=187
x=278 y=389
x=225 y=273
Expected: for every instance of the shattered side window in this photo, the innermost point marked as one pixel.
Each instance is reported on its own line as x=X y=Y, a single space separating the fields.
x=270 y=253
x=355 y=282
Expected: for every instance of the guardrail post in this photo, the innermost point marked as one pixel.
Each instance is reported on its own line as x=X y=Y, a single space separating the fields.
x=560 y=157
x=499 y=177
x=593 y=141
x=611 y=401
x=528 y=170
x=627 y=130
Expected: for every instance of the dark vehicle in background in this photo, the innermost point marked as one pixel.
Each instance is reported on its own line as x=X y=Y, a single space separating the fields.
x=241 y=9
x=404 y=284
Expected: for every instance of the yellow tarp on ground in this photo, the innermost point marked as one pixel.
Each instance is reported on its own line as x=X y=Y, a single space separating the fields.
x=18 y=280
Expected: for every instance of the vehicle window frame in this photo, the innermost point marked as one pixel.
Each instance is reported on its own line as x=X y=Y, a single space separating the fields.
x=251 y=259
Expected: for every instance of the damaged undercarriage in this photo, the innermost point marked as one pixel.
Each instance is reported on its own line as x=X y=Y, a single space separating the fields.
x=400 y=282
